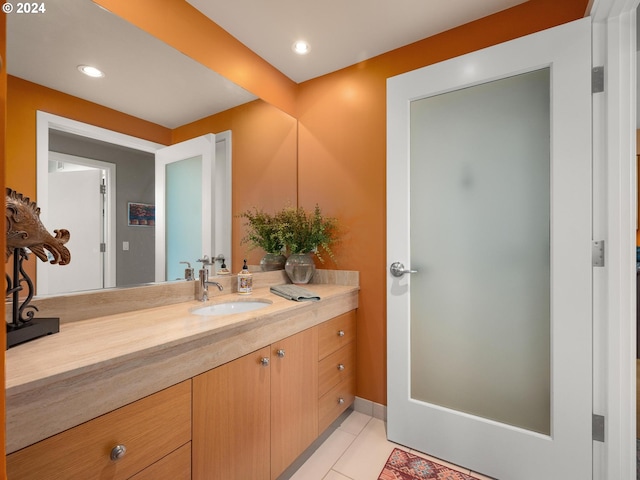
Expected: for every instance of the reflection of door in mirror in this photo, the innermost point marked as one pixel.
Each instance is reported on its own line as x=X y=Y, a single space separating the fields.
x=134 y=159
x=183 y=215
x=136 y=183
x=193 y=203
x=80 y=196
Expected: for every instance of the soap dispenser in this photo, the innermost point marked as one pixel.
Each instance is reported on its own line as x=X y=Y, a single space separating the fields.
x=245 y=280
x=223 y=269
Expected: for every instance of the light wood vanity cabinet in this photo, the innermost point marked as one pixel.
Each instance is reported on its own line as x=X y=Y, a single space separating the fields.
x=337 y=361
x=154 y=429
x=231 y=425
x=255 y=415
x=175 y=466
x=294 y=394
x=247 y=419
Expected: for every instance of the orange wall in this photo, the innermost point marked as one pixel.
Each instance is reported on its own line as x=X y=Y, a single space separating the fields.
x=3 y=117
x=24 y=99
x=264 y=147
x=342 y=156
x=264 y=162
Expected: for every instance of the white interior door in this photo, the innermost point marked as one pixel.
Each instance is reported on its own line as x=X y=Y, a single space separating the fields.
x=74 y=201
x=489 y=199
x=81 y=214
x=193 y=203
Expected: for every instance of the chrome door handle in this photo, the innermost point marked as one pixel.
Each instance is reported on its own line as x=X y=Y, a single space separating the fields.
x=397 y=269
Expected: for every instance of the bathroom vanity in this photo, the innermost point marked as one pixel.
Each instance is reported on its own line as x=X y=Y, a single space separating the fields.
x=161 y=393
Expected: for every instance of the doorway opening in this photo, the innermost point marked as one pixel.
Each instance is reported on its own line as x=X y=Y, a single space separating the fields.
x=129 y=166
x=81 y=196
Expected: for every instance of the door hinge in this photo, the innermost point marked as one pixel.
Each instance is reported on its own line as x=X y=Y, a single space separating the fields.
x=597 y=80
x=597 y=253
x=598 y=427
x=103 y=247
x=103 y=189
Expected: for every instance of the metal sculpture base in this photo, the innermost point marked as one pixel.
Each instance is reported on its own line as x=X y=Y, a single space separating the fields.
x=36 y=328
x=21 y=329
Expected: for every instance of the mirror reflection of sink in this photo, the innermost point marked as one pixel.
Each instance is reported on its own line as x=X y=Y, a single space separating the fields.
x=230 y=307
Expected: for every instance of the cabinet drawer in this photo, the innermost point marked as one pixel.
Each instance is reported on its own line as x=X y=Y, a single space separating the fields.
x=149 y=428
x=336 y=333
x=175 y=466
x=335 y=401
x=336 y=367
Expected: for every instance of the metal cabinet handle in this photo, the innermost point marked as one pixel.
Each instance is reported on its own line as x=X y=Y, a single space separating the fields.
x=340 y=366
x=397 y=269
x=264 y=361
x=341 y=333
x=340 y=401
x=280 y=353
x=118 y=452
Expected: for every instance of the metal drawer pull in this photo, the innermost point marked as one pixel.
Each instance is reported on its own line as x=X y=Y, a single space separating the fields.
x=118 y=452
x=264 y=361
x=340 y=366
x=341 y=333
x=340 y=401
x=280 y=353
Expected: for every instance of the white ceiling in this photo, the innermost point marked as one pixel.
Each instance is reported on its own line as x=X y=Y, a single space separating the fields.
x=340 y=32
x=144 y=77
x=150 y=80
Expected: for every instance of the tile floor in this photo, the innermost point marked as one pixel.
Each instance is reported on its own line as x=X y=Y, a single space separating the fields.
x=357 y=450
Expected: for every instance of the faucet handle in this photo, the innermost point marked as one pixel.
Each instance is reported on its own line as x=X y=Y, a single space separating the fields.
x=205 y=260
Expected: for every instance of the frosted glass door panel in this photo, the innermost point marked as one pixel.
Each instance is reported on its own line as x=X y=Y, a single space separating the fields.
x=480 y=307
x=183 y=215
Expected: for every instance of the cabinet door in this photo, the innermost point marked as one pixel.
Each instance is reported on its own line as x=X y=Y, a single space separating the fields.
x=294 y=398
x=231 y=420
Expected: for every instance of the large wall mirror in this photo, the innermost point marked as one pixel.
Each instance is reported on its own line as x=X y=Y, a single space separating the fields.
x=165 y=98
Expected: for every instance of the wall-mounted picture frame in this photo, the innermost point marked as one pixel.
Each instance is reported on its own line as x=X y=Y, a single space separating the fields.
x=141 y=214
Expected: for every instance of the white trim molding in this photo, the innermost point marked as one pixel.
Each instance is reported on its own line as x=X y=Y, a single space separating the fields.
x=614 y=166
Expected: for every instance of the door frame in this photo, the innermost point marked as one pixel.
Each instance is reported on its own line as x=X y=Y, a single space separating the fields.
x=48 y=121
x=614 y=220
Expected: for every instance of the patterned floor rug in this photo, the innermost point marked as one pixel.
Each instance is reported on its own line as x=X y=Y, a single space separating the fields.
x=406 y=466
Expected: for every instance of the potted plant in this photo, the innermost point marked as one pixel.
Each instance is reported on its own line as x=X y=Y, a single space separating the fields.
x=304 y=233
x=263 y=231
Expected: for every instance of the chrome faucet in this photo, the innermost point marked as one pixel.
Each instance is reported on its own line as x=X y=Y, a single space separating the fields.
x=204 y=279
x=188 y=272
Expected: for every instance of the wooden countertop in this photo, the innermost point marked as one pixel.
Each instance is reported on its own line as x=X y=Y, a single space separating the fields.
x=94 y=366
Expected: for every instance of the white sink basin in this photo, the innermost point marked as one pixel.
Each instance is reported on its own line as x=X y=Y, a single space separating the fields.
x=230 y=307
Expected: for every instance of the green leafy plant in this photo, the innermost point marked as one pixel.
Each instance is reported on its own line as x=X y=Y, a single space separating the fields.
x=263 y=231
x=306 y=232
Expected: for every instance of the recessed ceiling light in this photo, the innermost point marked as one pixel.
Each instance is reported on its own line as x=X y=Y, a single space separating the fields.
x=301 y=47
x=90 y=71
